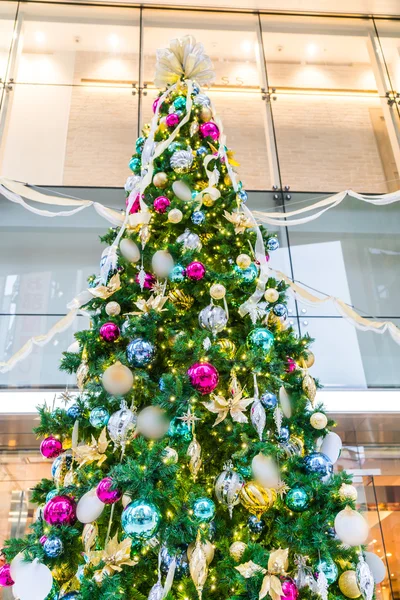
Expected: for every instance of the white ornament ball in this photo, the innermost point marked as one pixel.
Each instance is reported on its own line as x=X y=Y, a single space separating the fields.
x=117 y=379
x=182 y=191
x=318 y=420
x=376 y=566
x=271 y=295
x=113 y=309
x=33 y=580
x=331 y=446
x=265 y=470
x=162 y=263
x=217 y=291
x=152 y=422
x=89 y=507
x=351 y=527
x=347 y=492
x=243 y=261
x=129 y=250
x=237 y=549
x=74 y=347
x=208 y=550
x=175 y=215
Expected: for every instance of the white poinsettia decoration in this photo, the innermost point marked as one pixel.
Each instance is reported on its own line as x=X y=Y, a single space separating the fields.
x=184 y=57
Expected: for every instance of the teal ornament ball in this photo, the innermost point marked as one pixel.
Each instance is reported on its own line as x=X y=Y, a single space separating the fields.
x=99 y=417
x=329 y=568
x=260 y=338
x=204 y=509
x=140 y=520
x=297 y=499
x=51 y=495
x=177 y=274
x=247 y=275
x=139 y=144
x=134 y=164
x=180 y=103
x=179 y=428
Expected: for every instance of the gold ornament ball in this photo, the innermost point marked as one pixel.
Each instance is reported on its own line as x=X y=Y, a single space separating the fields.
x=271 y=295
x=318 y=420
x=175 y=215
x=347 y=492
x=160 y=179
x=208 y=200
x=217 y=291
x=205 y=113
x=207 y=547
x=348 y=584
x=227 y=180
x=113 y=309
x=243 y=261
x=237 y=549
x=308 y=363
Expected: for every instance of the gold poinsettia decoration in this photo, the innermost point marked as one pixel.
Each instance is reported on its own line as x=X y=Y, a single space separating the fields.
x=277 y=565
x=233 y=406
x=239 y=220
x=229 y=154
x=114 y=556
x=155 y=303
x=95 y=451
x=105 y=291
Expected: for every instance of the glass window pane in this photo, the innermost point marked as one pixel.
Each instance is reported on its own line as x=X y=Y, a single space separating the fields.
x=387 y=46
x=8 y=11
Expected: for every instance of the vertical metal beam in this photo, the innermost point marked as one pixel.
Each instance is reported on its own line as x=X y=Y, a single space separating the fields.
x=141 y=67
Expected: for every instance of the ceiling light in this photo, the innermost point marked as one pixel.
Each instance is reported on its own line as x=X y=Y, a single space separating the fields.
x=40 y=37
x=312 y=49
x=114 y=40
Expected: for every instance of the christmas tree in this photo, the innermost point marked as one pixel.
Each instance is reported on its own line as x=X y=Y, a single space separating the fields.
x=194 y=462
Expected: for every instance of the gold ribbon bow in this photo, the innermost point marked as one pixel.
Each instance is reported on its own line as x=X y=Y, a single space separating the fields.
x=239 y=220
x=93 y=452
x=277 y=565
x=105 y=291
x=114 y=556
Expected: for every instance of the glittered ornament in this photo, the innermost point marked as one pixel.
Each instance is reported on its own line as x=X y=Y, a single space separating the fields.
x=148 y=282
x=99 y=417
x=203 y=377
x=318 y=463
x=106 y=493
x=237 y=549
x=268 y=400
x=172 y=120
x=140 y=520
x=5 y=576
x=51 y=447
x=247 y=275
x=213 y=318
x=297 y=499
x=61 y=510
x=152 y=422
x=181 y=161
x=195 y=270
x=160 y=180
x=272 y=244
x=227 y=487
x=198 y=217
x=190 y=241
x=161 y=203
x=121 y=424
x=256 y=498
x=209 y=129
x=53 y=547
x=109 y=332
x=113 y=309
x=180 y=429
x=177 y=274
x=255 y=525
x=217 y=291
x=140 y=352
x=318 y=420
x=329 y=568
x=243 y=261
x=348 y=584
x=260 y=338
x=204 y=509
x=175 y=215
x=129 y=250
x=347 y=492
x=271 y=295
x=117 y=379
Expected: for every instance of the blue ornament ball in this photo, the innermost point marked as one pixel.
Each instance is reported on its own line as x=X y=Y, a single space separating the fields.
x=140 y=520
x=177 y=274
x=53 y=547
x=195 y=89
x=180 y=103
x=99 y=417
x=260 y=338
x=242 y=195
x=70 y=596
x=272 y=244
x=178 y=428
x=161 y=384
x=181 y=561
x=139 y=352
x=204 y=509
x=60 y=459
x=297 y=499
x=51 y=494
x=318 y=463
x=202 y=151
x=134 y=164
x=329 y=568
x=280 y=310
x=198 y=217
x=247 y=275
x=269 y=400
x=255 y=525
x=74 y=412
x=284 y=435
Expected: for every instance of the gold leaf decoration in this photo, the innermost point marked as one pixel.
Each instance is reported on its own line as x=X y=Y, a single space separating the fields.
x=114 y=556
x=239 y=220
x=277 y=565
x=105 y=291
x=233 y=406
x=95 y=451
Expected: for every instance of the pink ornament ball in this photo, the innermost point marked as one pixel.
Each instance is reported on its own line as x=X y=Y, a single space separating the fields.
x=149 y=280
x=135 y=196
x=195 y=270
x=109 y=332
x=5 y=576
x=203 y=377
x=155 y=104
x=43 y=539
x=105 y=493
x=172 y=120
x=51 y=447
x=60 y=510
x=290 y=591
x=290 y=365
x=209 y=129
x=161 y=204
